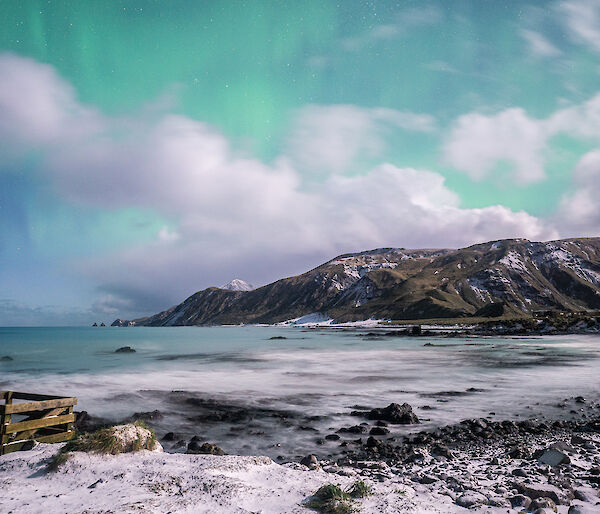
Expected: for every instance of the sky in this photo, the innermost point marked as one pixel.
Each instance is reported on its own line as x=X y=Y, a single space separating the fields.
x=150 y=149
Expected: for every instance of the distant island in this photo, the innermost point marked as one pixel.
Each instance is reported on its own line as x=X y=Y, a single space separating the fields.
x=512 y=279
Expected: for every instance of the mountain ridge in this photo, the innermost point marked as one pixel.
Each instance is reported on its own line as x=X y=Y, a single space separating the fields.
x=521 y=276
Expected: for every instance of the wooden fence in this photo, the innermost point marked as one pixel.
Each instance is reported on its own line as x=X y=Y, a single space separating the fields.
x=43 y=418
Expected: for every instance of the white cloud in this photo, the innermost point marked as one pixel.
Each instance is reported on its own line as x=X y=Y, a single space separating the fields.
x=235 y=215
x=478 y=142
x=330 y=138
x=582 y=18
x=579 y=212
x=539 y=45
x=402 y=23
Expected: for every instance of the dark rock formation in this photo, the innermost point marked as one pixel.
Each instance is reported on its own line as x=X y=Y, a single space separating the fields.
x=395 y=413
x=204 y=448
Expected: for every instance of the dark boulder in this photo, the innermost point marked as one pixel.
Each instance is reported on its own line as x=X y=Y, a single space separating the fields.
x=310 y=461
x=379 y=431
x=147 y=416
x=194 y=447
x=395 y=413
x=6 y=358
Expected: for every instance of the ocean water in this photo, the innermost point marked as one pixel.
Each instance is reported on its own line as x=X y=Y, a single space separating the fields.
x=237 y=387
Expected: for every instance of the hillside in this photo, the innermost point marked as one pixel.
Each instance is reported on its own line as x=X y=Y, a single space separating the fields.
x=512 y=276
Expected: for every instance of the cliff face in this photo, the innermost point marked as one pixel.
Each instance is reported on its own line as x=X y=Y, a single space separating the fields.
x=393 y=283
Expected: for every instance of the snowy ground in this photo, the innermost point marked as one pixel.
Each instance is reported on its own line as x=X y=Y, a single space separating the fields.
x=161 y=482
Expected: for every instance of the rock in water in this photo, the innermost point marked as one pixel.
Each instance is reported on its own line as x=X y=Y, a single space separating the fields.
x=394 y=413
x=125 y=349
x=205 y=448
x=379 y=431
x=6 y=358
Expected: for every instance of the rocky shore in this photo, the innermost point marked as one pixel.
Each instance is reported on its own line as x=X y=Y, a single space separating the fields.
x=534 y=465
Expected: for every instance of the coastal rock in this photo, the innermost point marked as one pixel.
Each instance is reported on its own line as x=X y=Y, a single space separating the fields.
x=395 y=413
x=125 y=349
x=6 y=358
x=147 y=416
x=535 y=491
x=520 y=500
x=543 y=503
x=310 y=461
x=553 y=457
x=84 y=422
x=194 y=447
x=582 y=509
x=379 y=431
x=471 y=499
x=440 y=450
x=356 y=429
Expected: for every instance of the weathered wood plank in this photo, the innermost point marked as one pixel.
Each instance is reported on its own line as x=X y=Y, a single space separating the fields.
x=17 y=395
x=17 y=408
x=54 y=438
x=38 y=423
x=4 y=420
x=54 y=412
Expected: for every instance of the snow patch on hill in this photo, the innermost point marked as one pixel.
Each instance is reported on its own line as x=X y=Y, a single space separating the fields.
x=238 y=285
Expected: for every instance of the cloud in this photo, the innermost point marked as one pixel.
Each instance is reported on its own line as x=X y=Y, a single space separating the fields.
x=579 y=211
x=15 y=314
x=478 y=142
x=402 y=23
x=582 y=18
x=232 y=214
x=330 y=138
x=539 y=45
x=388 y=206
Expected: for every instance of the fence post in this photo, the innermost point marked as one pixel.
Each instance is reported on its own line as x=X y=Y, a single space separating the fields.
x=4 y=419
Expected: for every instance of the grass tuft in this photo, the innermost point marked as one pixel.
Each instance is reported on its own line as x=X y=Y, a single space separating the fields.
x=360 y=490
x=330 y=499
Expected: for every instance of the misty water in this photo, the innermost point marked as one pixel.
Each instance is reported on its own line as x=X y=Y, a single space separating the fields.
x=250 y=394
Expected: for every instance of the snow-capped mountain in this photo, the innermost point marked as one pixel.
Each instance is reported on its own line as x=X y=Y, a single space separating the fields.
x=238 y=285
x=393 y=283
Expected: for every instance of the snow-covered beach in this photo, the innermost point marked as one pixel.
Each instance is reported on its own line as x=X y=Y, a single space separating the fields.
x=480 y=477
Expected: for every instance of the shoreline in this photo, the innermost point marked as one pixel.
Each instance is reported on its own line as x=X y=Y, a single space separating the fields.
x=476 y=465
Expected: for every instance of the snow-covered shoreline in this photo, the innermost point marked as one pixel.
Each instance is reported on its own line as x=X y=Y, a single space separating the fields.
x=161 y=482
x=472 y=467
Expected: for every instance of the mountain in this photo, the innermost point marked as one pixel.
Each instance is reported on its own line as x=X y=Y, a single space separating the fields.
x=510 y=277
x=238 y=285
